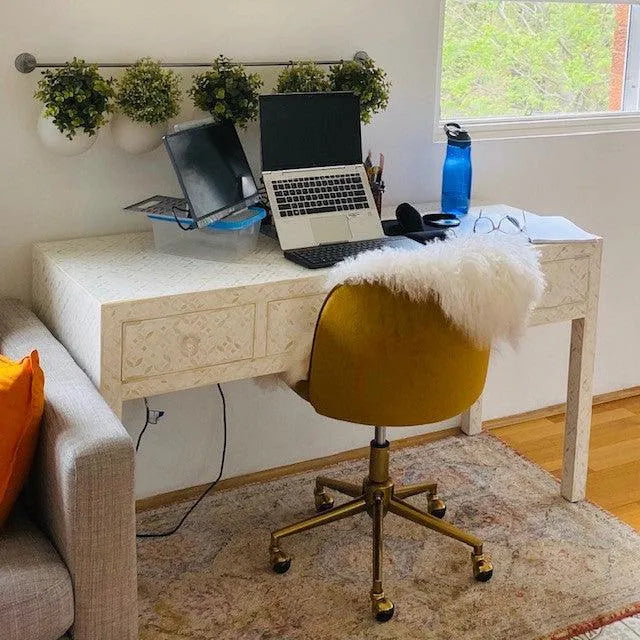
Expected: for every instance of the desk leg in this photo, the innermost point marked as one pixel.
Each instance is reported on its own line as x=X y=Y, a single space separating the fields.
x=579 y=407
x=471 y=423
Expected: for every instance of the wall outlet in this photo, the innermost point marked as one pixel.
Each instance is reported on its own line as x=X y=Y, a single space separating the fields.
x=155 y=415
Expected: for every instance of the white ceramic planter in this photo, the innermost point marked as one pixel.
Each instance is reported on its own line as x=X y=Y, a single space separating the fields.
x=136 y=137
x=58 y=143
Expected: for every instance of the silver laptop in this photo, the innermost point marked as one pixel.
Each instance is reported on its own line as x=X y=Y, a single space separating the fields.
x=312 y=169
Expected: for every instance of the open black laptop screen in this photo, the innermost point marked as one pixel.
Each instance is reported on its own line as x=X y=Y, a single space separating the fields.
x=304 y=130
x=212 y=170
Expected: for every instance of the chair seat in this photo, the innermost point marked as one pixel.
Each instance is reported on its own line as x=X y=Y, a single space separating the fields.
x=36 y=594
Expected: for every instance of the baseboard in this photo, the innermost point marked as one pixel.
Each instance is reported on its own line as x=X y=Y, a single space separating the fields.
x=191 y=493
x=558 y=409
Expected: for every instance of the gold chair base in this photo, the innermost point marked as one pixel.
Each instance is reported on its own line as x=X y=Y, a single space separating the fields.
x=377 y=496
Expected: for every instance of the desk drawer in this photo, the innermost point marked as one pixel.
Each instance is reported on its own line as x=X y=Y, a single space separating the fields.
x=187 y=341
x=567 y=282
x=288 y=320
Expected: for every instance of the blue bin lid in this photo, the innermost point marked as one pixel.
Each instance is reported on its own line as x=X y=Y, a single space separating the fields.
x=234 y=222
x=240 y=220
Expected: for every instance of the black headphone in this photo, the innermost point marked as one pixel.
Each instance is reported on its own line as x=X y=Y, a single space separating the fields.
x=410 y=219
x=410 y=223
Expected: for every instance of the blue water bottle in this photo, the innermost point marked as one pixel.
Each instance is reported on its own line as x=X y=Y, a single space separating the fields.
x=456 y=172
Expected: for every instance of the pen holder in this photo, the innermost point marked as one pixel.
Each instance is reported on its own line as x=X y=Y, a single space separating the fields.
x=378 y=189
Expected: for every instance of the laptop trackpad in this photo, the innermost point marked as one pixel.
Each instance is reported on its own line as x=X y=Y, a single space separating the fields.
x=331 y=230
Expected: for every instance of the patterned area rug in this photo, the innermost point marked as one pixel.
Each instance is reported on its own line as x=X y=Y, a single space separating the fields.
x=628 y=629
x=560 y=569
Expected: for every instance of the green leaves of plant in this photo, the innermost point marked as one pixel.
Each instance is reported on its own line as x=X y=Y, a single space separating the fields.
x=519 y=59
x=302 y=77
x=148 y=93
x=76 y=97
x=227 y=92
x=364 y=79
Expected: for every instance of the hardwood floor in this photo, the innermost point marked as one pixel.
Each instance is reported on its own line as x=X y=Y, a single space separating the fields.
x=614 y=457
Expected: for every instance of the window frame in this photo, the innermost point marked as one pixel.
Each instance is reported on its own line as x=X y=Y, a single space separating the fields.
x=552 y=125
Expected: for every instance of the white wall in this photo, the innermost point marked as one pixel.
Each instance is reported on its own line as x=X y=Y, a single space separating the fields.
x=591 y=179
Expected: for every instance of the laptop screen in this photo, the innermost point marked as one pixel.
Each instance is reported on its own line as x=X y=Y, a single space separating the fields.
x=305 y=130
x=212 y=170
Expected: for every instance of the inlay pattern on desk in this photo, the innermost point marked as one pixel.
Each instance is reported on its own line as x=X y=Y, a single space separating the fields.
x=288 y=321
x=187 y=341
x=567 y=282
x=127 y=267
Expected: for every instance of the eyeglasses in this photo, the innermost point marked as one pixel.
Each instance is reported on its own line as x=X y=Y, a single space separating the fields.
x=507 y=224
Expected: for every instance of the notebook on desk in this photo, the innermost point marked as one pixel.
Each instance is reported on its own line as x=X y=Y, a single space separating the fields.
x=511 y=221
x=555 y=229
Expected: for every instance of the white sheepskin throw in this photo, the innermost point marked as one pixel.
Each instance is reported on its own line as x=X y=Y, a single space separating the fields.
x=487 y=285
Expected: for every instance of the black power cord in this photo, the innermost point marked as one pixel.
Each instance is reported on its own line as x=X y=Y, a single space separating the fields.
x=170 y=532
x=147 y=422
x=175 y=215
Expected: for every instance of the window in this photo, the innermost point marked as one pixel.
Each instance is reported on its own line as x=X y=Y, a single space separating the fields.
x=532 y=67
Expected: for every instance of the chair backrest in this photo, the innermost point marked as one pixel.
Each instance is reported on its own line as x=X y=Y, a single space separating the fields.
x=381 y=359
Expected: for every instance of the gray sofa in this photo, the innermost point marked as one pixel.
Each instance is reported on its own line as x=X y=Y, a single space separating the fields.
x=67 y=554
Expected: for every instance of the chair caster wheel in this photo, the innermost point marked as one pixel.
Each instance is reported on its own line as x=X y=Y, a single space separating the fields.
x=323 y=501
x=437 y=508
x=482 y=567
x=280 y=562
x=383 y=609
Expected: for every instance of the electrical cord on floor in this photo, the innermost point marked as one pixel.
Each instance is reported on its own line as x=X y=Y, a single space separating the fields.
x=187 y=513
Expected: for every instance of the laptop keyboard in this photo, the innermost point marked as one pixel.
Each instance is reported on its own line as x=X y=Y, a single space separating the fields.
x=326 y=255
x=320 y=194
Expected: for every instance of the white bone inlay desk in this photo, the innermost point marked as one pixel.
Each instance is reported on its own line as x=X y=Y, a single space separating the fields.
x=142 y=323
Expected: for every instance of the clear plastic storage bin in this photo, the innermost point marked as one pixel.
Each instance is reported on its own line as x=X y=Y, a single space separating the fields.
x=226 y=240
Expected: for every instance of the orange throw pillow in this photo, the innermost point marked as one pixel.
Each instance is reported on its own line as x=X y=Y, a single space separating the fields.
x=21 y=406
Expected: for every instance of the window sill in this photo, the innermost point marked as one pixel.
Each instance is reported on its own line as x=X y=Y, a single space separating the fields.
x=544 y=127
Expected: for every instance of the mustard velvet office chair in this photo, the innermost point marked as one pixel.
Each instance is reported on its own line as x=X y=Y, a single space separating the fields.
x=382 y=360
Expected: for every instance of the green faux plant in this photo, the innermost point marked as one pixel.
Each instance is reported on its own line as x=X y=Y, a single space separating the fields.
x=148 y=93
x=302 y=77
x=365 y=79
x=76 y=97
x=227 y=92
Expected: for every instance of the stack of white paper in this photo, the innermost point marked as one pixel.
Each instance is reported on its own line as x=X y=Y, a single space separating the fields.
x=555 y=229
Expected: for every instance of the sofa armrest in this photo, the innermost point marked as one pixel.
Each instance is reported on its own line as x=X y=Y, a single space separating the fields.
x=82 y=483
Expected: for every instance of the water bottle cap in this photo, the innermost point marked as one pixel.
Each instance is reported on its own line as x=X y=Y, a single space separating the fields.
x=456 y=134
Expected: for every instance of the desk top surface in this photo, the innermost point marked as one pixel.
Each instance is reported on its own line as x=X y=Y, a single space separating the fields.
x=127 y=266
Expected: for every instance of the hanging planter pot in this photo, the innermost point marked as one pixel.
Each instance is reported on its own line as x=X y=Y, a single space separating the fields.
x=147 y=96
x=77 y=101
x=136 y=137
x=57 y=142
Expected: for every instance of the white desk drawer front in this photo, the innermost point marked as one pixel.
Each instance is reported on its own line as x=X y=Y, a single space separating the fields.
x=288 y=320
x=567 y=282
x=187 y=341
